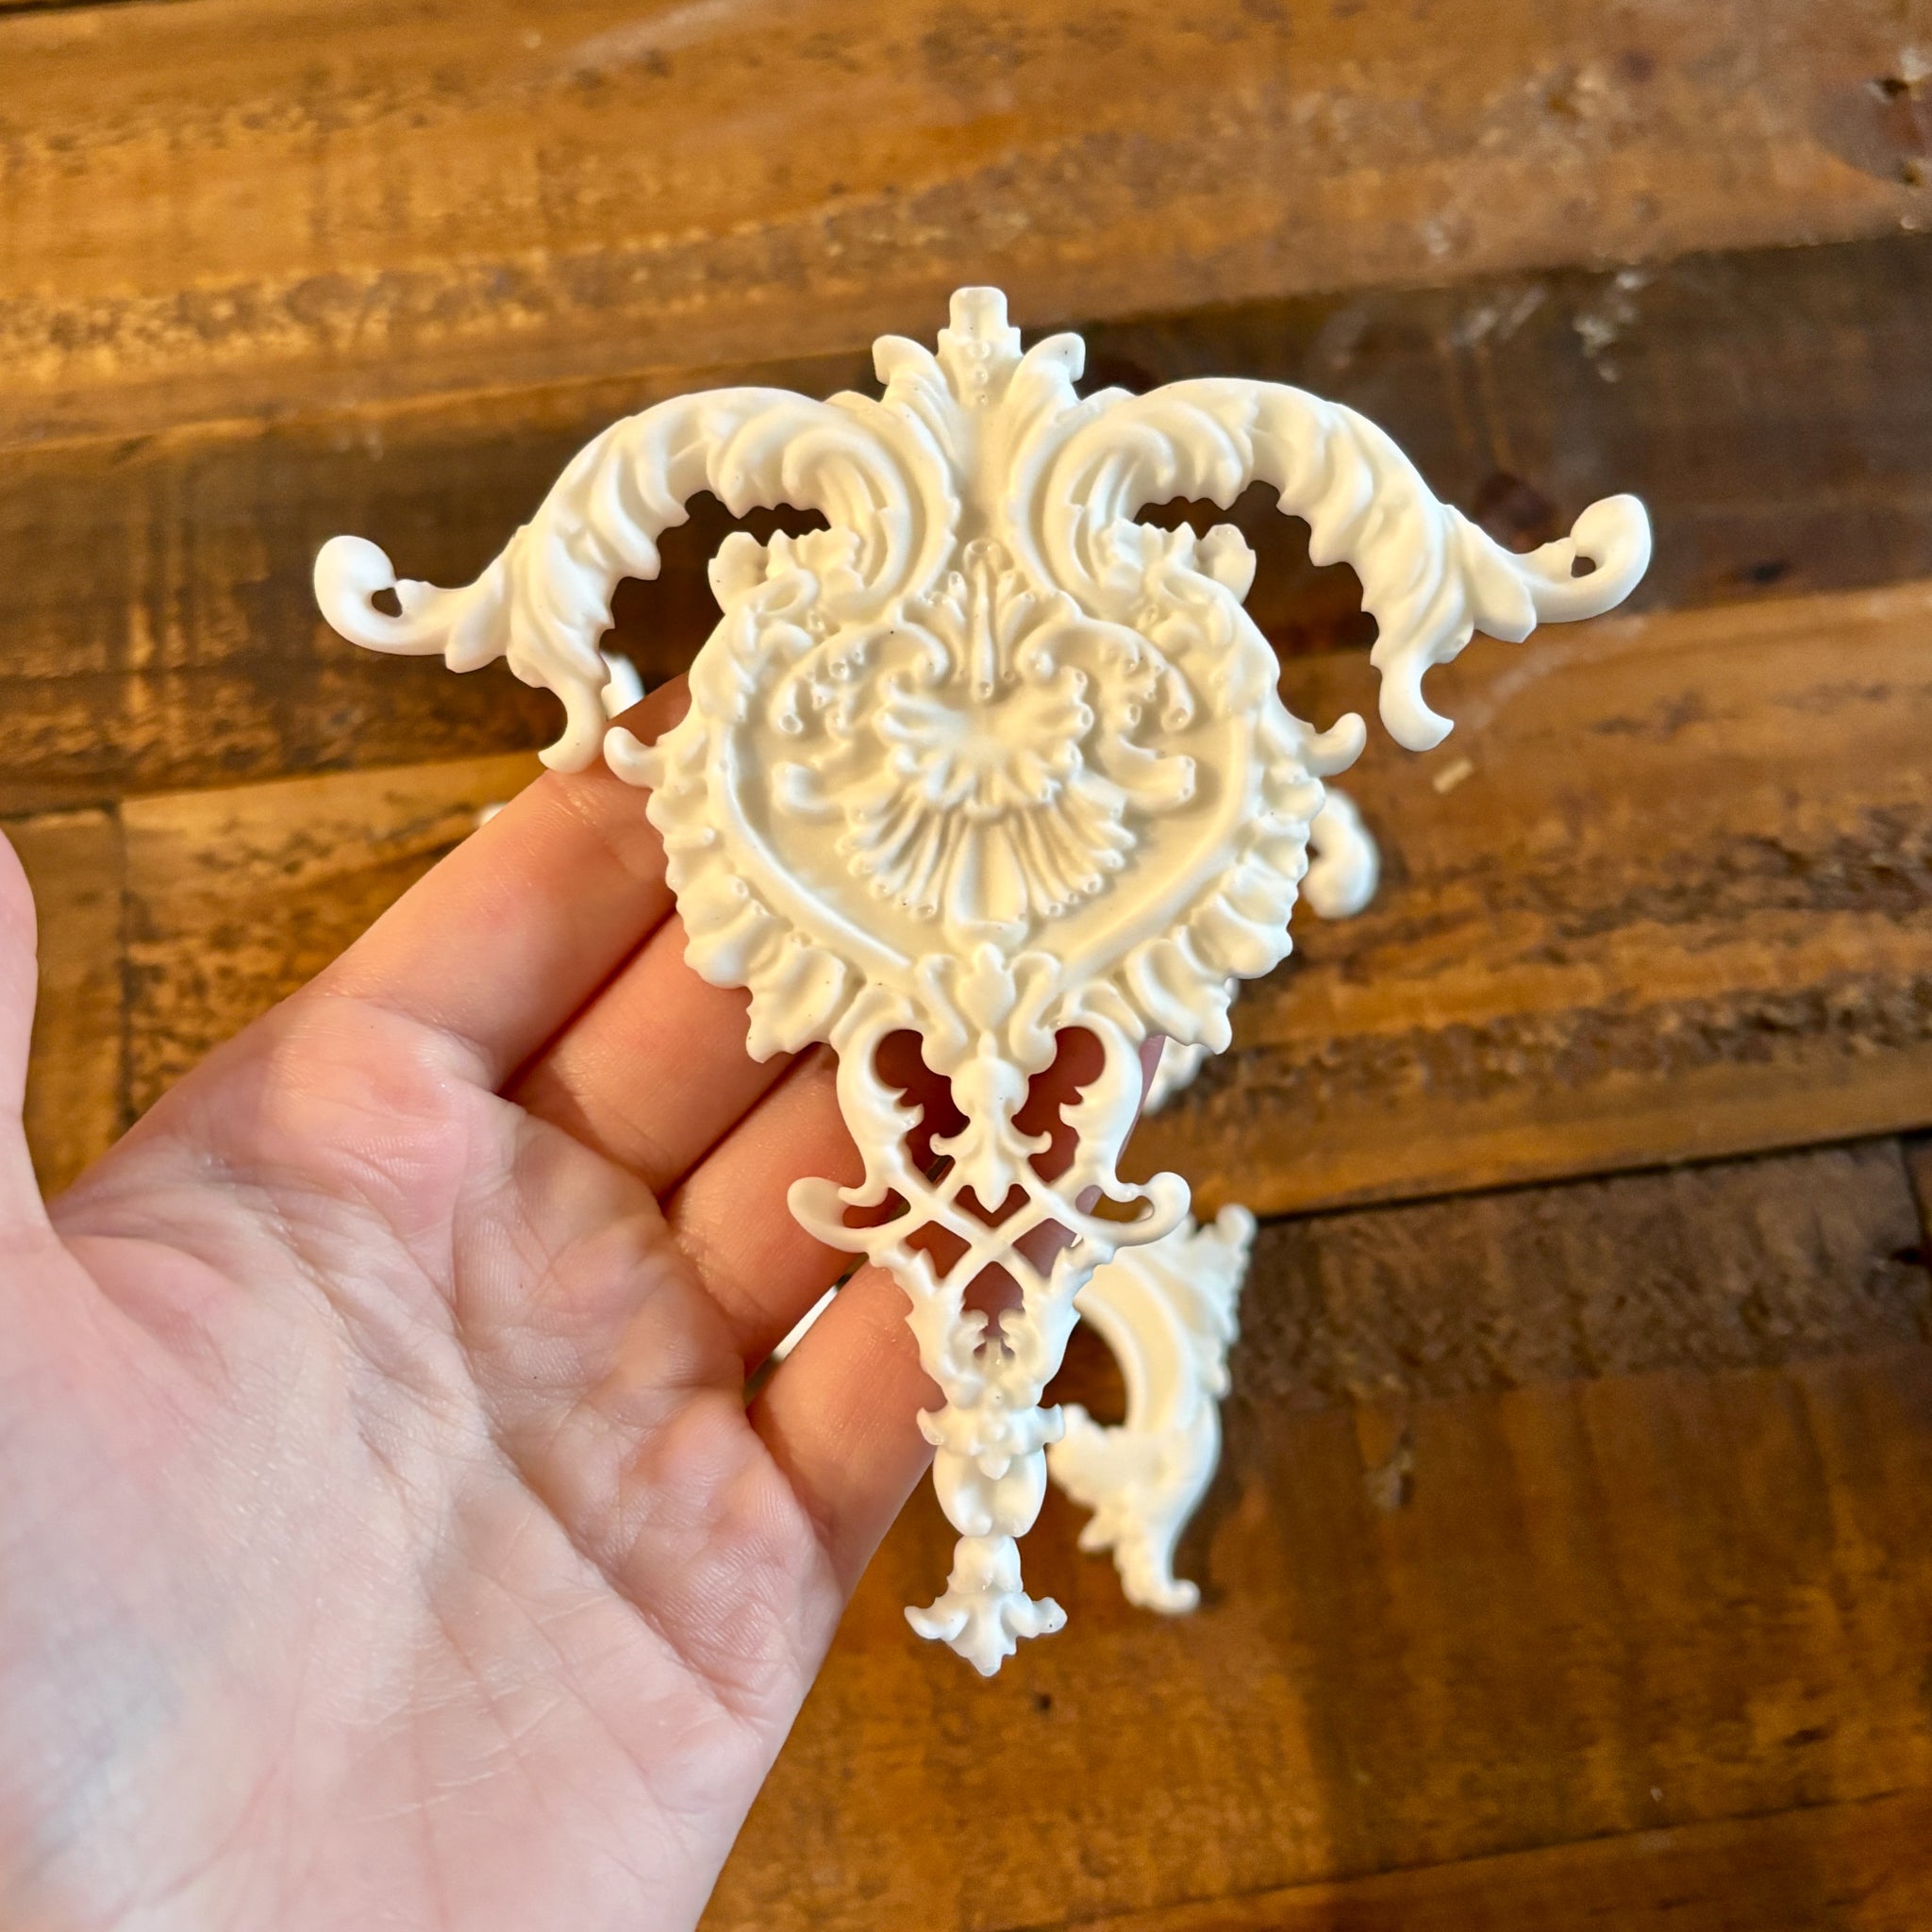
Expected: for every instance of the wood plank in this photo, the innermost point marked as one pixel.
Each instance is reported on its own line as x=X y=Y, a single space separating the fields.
x=160 y=622
x=1919 y=1165
x=1681 y=905
x=1774 y=408
x=1733 y=1265
x=1458 y=1601
x=1665 y=893
x=1829 y=1867
x=222 y=206
x=236 y=898
x=74 y=1099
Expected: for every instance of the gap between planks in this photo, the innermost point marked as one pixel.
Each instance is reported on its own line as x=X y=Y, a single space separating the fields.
x=1666 y=894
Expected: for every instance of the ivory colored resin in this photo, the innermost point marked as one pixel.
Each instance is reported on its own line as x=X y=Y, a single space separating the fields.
x=989 y=760
x=1167 y=1312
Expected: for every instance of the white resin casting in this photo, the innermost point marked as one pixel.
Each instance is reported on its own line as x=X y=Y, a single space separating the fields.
x=1167 y=1312
x=1341 y=879
x=989 y=760
x=1166 y=1309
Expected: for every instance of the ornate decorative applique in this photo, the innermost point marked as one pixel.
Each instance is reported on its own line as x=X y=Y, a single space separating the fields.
x=989 y=760
x=1167 y=1312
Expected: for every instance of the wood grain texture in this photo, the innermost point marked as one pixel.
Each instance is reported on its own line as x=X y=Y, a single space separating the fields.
x=1733 y=1265
x=158 y=617
x=1678 y=903
x=1774 y=409
x=221 y=206
x=236 y=898
x=1665 y=893
x=1918 y=1156
x=1460 y=1599
x=1828 y=1867
x=74 y=1099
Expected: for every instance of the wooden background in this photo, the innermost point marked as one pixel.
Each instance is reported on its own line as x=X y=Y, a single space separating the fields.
x=1571 y=1561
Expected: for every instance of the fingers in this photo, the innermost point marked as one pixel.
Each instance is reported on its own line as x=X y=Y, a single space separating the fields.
x=20 y=1197
x=840 y=1417
x=730 y=1218
x=506 y=939
x=653 y=1073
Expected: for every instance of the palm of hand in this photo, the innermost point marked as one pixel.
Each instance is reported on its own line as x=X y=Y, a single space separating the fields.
x=388 y=1541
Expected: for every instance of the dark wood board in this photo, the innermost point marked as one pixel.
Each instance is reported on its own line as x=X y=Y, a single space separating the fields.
x=1665 y=892
x=1774 y=409
x=1826 y=1867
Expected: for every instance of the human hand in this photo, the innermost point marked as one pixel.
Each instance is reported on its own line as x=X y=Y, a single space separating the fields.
x=387 y=1539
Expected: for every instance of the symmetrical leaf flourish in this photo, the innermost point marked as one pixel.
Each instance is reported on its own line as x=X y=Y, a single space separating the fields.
x=988 y=759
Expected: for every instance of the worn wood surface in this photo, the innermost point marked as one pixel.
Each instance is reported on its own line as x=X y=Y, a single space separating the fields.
x=158 y=599
x=1828 y=1867
x=231 y=206
x=1666 y=891
x=1733 y=1265
x=1774 y=409
x=1666 y=894
x=1598 y=1509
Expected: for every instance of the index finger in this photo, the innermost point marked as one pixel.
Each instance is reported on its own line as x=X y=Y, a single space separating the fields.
x=507 y=937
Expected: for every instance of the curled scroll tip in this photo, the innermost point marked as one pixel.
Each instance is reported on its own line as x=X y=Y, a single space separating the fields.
x=1337 y=748
x=350 y=573
x=632 y=759
x=1613 y=535
x=1347 y=865
x=583 y=733
x=1410 y=720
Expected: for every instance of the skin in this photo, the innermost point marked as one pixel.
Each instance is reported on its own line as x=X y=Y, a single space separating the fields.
x=388 y=1541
